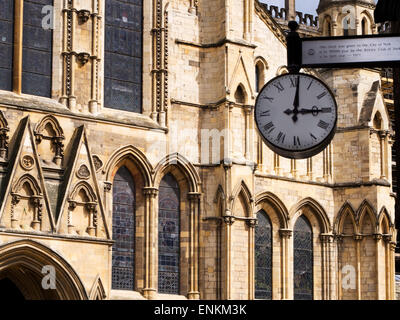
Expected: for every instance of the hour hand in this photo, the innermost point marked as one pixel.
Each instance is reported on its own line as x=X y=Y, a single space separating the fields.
x=288 y=112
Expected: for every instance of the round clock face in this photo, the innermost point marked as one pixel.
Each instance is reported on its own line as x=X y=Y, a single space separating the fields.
x=296 y=115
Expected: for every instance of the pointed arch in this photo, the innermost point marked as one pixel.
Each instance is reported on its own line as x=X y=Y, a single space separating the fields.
x=87 y=189
x=385 y=222
x=53 y=122
x=316 y=209
x=136 y=156
x=242 y=190
x=32 y=182
x=364 y=209
x=277 y=204
x=97 y=292
x=188 y=170
x=219 y=199
x=32 y=255
x=345 y=211
x=241 y=94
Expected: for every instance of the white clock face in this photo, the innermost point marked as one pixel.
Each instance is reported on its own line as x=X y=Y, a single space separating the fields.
x=296 y=115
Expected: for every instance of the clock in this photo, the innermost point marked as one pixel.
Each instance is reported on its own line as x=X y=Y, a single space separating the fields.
x=296 y=115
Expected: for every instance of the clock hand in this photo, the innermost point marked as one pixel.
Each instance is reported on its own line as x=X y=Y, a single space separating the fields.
x=296 y=101
x=315 y=111
x=288 y=112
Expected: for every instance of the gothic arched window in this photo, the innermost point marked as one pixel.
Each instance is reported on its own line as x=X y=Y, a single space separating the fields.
x=37 y=48
x=364 y=28
x=168 y=236
x=303 y=259
x=123 y=230
x=6 y=44
x=123 y=55
x=263 y=257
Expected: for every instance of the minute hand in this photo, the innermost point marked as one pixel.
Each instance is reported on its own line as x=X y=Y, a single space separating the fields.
x=315 y=111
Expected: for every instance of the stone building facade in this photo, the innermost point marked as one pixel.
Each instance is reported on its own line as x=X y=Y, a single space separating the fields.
x=131 y=165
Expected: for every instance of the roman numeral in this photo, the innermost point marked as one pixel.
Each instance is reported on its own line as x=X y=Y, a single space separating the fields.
x=266 y=113
x=294 y=81
x=309 y=86
x=323 y=94
x=296 y=141
x=281 y=137
x=326 y=110
x=323 y=124
x=269 y=126
x=313 y=137
x=279 y=86
x=268 y=98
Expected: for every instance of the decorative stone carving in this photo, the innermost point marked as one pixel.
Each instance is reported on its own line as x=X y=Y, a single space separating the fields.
x=285 y=233
x=107 y=186
x=83 y=16
x=252 y=223
x=27 y=162
x=83 y=172
x=98 y=164
x=83 y=58
x=229 y=220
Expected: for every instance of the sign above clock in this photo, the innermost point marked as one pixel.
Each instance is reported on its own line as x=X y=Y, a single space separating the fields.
x=296 y=115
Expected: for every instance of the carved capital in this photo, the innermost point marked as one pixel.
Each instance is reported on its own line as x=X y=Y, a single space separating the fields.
x=357 y=237
x=326 y=237
x=194 y=196
x=229 y=220
x=387 y=237
x=150 y=191
x=339 y=238
x=252 y=223
x=15 y=198
x=72 y=205
x=91 y=207
x=83 y=58
x=107 y=186
x=378 y=236
x=285 y=233
x=83 y=15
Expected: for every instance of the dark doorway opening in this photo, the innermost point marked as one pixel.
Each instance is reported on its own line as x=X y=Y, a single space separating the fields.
x=9 y=291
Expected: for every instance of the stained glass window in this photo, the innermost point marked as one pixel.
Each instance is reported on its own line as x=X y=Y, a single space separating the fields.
x=123 y=229
x=168 y=236
x=303 y=260
x=123 y=55
x=6 y=43
x=263 y=257
x=37 y=48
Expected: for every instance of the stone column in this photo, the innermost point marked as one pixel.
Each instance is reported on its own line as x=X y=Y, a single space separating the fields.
x=228 y=220
x=248 y=110
x=290 y=6
x=358 y=238
x=378 y=238
x=251 y=223
x=150 y=194
x=194 y=205
x=327 y=274
x=285 y=234
x=18 y=41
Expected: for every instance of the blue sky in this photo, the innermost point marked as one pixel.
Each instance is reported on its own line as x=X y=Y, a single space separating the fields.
x=306 y=6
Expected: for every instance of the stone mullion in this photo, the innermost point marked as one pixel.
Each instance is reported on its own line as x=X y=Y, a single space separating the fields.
x=149 y=290
x=251 y=249
x=378 y=238
x=285 y=235
x=194 y=201
x=228 y=220
x=248 y=131
x=18 y=43
x=93 y=103
x=358 y=239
